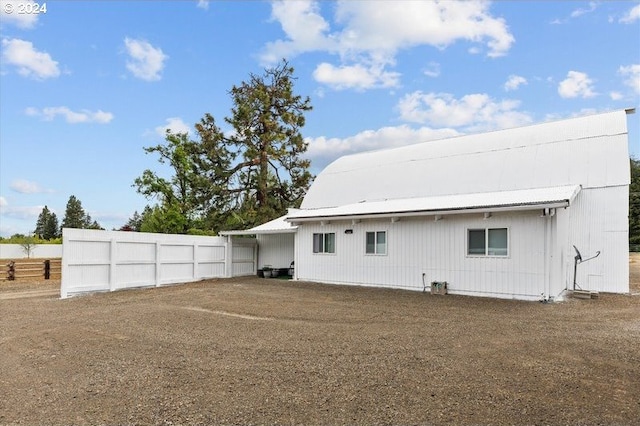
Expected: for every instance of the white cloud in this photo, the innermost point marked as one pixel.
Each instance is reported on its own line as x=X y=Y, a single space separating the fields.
x=304 y=26
x=632 y=15
x=10 y=12
x=27 y=187
x=474 y=112
x=632 y=74
x=324 y=150
x=514 y=82
x=579 y=12
x=370 y=34
x=145 y=61
x=355 y=77
x=433 y=70
x=615 y=96
x=73 y=117
x=175 y=125
x=19 y=212
x=3 y=201
x=203 y=4
x=577 y=84
x=30 y=62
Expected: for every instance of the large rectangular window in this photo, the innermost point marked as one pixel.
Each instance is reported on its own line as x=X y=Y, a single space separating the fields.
x=324 y=243
x=376 y=242
x=488 y=242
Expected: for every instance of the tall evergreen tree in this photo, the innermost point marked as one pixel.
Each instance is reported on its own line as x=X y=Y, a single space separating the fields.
x=134 y=223
x=250 y=177
x=47 y=225
x=268 y=118
x=74 y=215
x=51 y=227
x=41 y=223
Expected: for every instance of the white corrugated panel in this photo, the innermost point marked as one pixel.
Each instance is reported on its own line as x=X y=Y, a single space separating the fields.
x=599 y=222
x=526 y=198
x=589 y=151
x=275 y=226
x=276 y=250
x=436 y=249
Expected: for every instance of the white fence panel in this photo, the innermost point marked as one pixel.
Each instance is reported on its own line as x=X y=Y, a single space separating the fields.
x=95 y=260
x=244 y=260
x=44 y=251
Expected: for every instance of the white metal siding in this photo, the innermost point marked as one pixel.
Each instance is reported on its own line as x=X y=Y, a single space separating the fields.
x=599 y=222
x=436 y=249
x=275 y=250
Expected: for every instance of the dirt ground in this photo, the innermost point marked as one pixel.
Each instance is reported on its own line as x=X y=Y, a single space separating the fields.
x=258 y=351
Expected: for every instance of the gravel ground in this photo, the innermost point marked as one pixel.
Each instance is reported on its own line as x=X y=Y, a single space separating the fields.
x=257 y=351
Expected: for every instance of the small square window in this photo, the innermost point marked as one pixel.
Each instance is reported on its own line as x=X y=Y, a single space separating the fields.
x=376 y=242
x=324 y=243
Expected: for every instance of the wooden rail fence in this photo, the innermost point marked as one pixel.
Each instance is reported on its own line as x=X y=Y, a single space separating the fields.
x=29 y=268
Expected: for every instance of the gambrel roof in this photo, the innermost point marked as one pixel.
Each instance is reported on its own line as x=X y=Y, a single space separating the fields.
x=589 y=152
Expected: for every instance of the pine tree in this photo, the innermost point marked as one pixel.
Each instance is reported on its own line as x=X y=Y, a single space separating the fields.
x=51 y=229
x=74 y=216
x=41 y=223
x=245 y=179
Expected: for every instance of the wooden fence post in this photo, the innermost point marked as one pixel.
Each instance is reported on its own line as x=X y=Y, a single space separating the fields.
x=11 y=271
x=47 y=269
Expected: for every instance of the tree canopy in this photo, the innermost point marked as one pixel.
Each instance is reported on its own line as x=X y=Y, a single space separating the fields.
x=241 y=178
x=47 y=225
x=634 y=203
x=76 y=217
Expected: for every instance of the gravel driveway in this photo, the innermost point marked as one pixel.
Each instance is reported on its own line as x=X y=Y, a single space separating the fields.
x=258 y=351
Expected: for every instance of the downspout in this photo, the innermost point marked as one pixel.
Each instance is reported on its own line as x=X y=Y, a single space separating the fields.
x=548 y=214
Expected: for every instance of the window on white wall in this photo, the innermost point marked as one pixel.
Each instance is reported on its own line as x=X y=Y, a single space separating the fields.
x=488 y=242
x=376 y=242
x=324 y=243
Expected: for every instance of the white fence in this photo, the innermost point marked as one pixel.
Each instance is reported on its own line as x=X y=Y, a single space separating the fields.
x=112 y=260
x=16 y=251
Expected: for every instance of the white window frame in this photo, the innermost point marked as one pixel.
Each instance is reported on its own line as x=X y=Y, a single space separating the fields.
x=376 y=252
x=486 y=242
x=323 y=241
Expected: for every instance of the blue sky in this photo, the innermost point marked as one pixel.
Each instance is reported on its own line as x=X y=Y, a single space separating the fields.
x=85 y=85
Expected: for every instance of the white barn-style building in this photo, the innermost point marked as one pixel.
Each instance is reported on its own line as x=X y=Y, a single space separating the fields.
x=494 y=214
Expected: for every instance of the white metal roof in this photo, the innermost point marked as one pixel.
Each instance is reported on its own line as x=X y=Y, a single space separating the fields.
x=275 y=226
x=590 y=151
x=526 y=199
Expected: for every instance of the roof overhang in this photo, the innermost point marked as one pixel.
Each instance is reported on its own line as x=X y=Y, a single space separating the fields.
x=518 y=200
x=276 y=226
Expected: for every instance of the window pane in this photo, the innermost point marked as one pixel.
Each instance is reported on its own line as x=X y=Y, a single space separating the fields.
x=498 y=242
x=476 y=243
x=330 y=243
x=381 y=243
x=317 y=243
x=371 y=242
